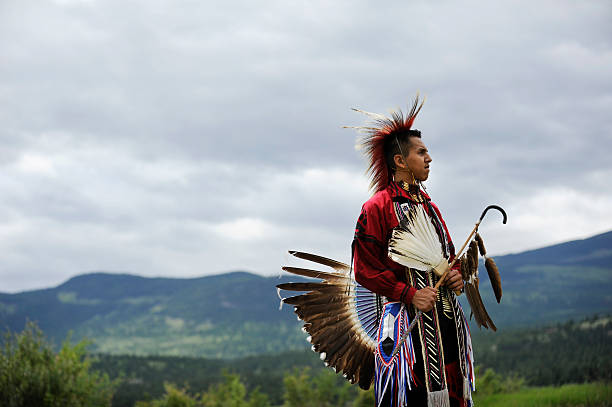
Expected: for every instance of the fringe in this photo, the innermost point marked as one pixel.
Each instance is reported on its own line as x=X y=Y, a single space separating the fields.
x=395 y=376
x=467 y=393
x=469 y=382
x=438 y=399
x=469 y=356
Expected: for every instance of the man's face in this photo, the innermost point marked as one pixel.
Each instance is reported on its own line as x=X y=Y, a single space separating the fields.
x=418 y=159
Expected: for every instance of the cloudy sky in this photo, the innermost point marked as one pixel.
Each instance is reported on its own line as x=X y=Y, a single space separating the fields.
x=188 y=138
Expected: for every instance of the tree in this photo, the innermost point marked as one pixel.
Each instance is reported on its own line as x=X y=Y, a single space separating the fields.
x=365 y=398
x=493 y=383
x=32 y=374
x=230 y=393
x=327 y=389
x=174 y=397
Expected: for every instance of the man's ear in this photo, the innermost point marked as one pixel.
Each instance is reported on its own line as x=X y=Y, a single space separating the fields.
x=399 y=161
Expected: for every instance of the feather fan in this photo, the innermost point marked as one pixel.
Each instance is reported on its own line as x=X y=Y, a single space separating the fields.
x=416 y=244
x=339 y=315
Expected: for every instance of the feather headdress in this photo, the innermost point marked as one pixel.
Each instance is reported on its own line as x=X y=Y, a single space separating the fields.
x=377 y=134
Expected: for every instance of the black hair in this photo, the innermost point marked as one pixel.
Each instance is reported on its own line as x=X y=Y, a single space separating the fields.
x=398 y=143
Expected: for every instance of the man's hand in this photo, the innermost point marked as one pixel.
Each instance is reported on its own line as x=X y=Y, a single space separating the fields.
x=425 y=298
x=454 y=281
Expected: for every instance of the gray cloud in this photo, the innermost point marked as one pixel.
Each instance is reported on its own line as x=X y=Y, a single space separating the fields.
x=197 y=138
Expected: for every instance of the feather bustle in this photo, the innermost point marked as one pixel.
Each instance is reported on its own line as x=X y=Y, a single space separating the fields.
x=346 y=355
x=329 y=311
x=336 y=349
x=315 y=298
x=306 y=315
x=319 y=321
x=330 y=332
x=326 y=342
x=337 y=265
x=342 y=361
x=354 y=363
x=315 y=273
x=319 y=287
x=351 y=358
x=313 y=309
x=366 y=372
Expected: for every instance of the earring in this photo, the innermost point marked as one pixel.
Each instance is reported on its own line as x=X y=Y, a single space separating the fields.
x=414 y=180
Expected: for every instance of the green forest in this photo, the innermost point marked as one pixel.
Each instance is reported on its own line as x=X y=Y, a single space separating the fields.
x=562 y=364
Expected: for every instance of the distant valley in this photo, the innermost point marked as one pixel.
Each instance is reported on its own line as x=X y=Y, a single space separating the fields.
x=237 y=314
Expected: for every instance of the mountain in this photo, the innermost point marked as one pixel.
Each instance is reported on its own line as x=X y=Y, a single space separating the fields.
x=229 y=315
x=556 y=283
x=236 y=314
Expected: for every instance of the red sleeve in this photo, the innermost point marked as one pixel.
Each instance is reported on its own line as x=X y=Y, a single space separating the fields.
x=370 y=257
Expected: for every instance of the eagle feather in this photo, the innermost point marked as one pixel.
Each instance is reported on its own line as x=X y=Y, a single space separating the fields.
x=328 y=309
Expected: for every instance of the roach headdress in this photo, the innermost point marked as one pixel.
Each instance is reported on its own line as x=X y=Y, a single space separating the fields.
x=378 y=136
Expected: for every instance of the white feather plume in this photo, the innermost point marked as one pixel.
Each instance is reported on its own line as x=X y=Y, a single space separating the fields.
x=416 y=245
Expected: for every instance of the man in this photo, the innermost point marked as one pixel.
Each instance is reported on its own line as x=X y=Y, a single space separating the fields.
x=437 y=367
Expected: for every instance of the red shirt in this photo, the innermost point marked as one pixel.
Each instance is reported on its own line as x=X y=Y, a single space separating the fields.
x=373 y=268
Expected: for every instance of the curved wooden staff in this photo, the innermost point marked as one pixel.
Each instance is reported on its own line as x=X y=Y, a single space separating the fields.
x=437 y=286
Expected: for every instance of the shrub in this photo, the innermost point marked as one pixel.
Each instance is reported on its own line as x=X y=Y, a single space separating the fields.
x=231 y=393
x=32 y=374
x=326 y=389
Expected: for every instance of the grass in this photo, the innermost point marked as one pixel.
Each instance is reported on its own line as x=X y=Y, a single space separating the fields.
x=569 y=395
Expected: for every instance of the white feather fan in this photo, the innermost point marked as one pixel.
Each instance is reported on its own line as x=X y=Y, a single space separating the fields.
x=416 y=244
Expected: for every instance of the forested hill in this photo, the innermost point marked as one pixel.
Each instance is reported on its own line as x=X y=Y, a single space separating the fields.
x=225 y=315
x=555 y=283
x=595 y=251
x=236 y=314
